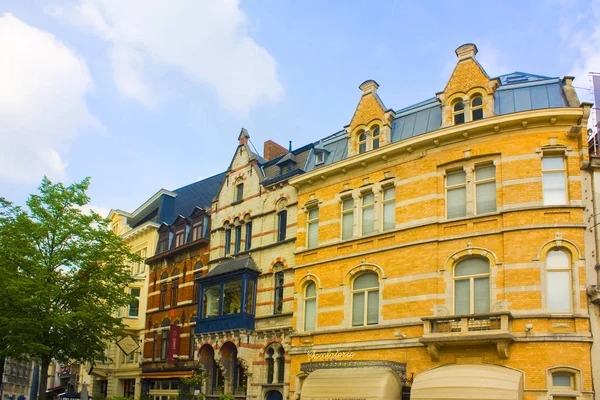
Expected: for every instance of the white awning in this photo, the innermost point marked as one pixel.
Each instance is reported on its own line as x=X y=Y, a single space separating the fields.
x=352 y=384
x=468 y=381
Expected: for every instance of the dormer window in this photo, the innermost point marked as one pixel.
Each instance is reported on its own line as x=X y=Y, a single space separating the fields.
x=362 y=142
x=477 y=107
x=319 y=158
x=375 y=137
x=179 y=238
x=459 y=113
x=285 y=168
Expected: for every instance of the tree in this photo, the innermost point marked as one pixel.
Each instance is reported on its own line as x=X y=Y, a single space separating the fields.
x=64 y=274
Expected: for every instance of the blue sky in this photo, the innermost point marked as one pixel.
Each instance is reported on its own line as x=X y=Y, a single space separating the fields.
x=143 y=95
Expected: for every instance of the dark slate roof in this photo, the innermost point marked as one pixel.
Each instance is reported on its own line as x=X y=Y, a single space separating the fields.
x=272 y=171
x=527 y=96
x=235 y=264
x=417 y=119
x=520 y=77
x=335 y=147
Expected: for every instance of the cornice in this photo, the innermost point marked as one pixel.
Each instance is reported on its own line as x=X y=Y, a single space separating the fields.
x=553 y=117
x=139 y=230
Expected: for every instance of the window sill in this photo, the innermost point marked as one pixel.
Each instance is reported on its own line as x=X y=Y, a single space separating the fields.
x=235 y=203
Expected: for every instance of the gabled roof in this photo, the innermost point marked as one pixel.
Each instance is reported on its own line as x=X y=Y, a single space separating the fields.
x=233 y=265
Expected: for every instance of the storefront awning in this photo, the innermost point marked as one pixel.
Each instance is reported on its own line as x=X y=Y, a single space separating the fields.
x=352 y=383
x=167 y=375
x=466 y=381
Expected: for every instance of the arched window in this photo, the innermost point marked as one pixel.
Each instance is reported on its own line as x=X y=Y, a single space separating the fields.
x=477 y=107
x=270 y=364
x=564 y=383
x=310 y=307
x=162 y=303
x=375 y=134
x=472 y=286
x=365 y=300
x=164 y=341
x=280 y=365
x=459 y=112
x=558 y=282
x=362 y=142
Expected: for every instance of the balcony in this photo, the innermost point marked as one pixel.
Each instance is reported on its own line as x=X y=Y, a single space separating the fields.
x=468 y=330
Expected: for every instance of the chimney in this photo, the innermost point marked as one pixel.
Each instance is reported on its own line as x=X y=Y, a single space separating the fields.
x=465 y=51
x=244 y=136
x=273 y=150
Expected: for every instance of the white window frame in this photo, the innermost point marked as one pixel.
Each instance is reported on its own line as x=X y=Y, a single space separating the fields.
x=366 y=300
x=569 y=270
x=562 y=170
x=470 y=184
x=385 y=202
x=138 y=301
x=305 y=300
x=364 y=207
x=475 y=108
x=471 y=279
x=482 y=182
x=345 y=212
x=454 y=187
x=309 y=223
x=319 y=157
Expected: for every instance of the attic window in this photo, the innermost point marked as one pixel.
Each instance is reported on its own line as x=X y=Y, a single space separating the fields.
x=477 y=107
x=362 y=142
x=285 y=168
x=319 y=158
x=459 y=113
x=375 y=137
x=239 y=192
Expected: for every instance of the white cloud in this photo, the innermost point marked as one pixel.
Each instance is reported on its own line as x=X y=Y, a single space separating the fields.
x=207 y=41
x=103 y=211
x=42 y=105
x=582 y=35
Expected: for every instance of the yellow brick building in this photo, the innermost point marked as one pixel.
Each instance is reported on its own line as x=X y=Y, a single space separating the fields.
x=440 y=248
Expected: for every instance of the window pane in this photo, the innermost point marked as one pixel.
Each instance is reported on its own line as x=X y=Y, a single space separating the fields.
x=313 y=232
x=472 y=266
x=459 y=106
x=477 y=101
x=373 y=307
x=557 y=259
x=211 y=301
x=368 y=222
x=362 y=148
x=553 y=163
x=347 y=204
x=559 y=292
x=456 y=178
x=375 y=144
x=389 y=193
x=477 y=114
x=232 y=297
x=555 y=188
x=459 y=119
x=248 y=235
x=310 y=314
x=366 y=281
x=462 y=296
x=561 y=380
x=311 y=290
x=313 y=214
x=368 y=199
x=486 y=197
x=482 y=295
x=358 y=309
x=250 y=298
x=347 y=225
x=457 y=202
x=487 y=172
x=282 y=225
x=389 y=216
x=238 y=238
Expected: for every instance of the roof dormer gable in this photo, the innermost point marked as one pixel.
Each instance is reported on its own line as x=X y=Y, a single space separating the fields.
x=370 y=126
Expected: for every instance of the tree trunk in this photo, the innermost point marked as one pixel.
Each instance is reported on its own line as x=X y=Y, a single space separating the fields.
x=44 y=378
x=2 y=360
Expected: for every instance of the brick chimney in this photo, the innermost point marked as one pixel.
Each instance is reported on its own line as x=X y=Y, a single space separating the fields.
x=273 y=150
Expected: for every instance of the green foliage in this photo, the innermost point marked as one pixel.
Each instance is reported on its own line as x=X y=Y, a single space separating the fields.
x=188 y=387
x=65 y=274
x=121 y=398
x=226 y=396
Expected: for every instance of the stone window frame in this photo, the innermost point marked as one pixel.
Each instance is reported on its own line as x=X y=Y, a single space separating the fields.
x=469 y=167
x=471 y=278
x=349 y=278
x=301 y=298
x=557 y=392
x=308 y=208
x=273 y=353
x=365 y=292
x=448 y=276
x=555 y=151
x=466 y=99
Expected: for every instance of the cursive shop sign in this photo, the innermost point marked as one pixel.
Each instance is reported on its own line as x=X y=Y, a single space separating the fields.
x=330 y=355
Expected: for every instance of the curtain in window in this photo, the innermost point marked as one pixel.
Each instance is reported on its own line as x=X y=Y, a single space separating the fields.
x=558 y=281
x=485 y=189
x=347 y=218
x=389 y=208
x=313 y=227
x=310 y=307
x=457 y=196
x=368 y=214
x=554 y=180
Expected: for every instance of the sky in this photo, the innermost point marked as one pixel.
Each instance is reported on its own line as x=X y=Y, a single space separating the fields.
x=148 y=94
